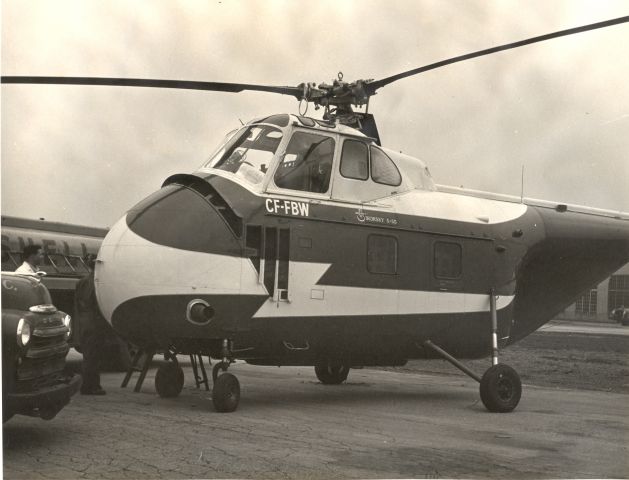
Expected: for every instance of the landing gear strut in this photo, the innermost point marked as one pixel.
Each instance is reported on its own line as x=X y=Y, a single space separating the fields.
x=500 y=385
x=219 y=367
x=226 y=391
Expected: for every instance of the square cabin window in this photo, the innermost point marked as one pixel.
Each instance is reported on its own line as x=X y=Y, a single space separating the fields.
x=382 y=254
x=355 y=160
x=448 y=260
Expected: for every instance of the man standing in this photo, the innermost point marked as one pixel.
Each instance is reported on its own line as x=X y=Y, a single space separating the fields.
x=93 y=328
x=33 y=255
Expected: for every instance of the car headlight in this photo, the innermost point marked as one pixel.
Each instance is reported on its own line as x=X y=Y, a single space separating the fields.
x=67 y=321
x=23 y=333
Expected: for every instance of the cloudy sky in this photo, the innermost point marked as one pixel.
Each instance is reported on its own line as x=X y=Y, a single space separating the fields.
x=86 y=154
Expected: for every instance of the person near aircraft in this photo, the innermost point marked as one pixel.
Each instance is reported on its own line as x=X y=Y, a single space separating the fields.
x=33 y=256
x=93 y=330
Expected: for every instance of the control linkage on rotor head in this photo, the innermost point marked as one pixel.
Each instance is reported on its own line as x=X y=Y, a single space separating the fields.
x=338 y=100
x=339 y=94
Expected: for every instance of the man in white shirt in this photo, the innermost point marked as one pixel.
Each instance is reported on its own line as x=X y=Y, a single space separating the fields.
x=33 y=256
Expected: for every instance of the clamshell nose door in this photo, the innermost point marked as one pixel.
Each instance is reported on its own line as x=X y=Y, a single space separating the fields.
x=173 y=247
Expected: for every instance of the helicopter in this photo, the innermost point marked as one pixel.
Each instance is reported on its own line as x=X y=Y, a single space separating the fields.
x=305 y=242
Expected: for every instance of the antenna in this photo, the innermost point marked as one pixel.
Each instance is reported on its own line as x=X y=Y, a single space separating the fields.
x=522 y=186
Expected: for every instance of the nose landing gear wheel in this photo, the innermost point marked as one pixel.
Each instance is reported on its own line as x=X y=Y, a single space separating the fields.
x=500 y=389
x=226 y=393
x=169 y=380
x=331 y=374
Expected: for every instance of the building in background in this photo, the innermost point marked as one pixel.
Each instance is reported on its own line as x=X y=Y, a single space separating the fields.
x=597 y=303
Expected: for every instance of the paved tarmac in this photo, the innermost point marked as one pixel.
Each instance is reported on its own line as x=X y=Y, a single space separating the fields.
x=592 y=328
x=379 y=425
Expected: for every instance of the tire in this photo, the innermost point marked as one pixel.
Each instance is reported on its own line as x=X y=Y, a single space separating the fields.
x=500 y=389
x=169 y=380
x=226 y=393
x=331 y=374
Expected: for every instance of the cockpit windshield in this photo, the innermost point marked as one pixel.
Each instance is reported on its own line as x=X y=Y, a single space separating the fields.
x=248 y=153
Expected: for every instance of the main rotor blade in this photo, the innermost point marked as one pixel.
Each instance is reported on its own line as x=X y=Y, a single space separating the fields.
x=296 y=92
x=373 y=86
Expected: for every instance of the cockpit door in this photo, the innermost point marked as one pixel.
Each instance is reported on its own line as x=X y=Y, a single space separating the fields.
x=305 y=167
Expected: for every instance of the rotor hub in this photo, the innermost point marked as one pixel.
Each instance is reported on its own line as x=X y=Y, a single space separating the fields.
x=339 y=93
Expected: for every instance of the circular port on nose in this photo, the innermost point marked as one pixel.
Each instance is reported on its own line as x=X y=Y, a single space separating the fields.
x=199 y=312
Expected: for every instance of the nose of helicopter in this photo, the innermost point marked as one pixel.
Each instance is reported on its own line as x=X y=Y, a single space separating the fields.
x=578 y=251
x=169 y=255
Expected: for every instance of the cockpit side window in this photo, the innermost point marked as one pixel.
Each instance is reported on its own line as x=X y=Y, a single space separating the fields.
x=307 y=164
x=355 y=160
x=250 y=154
x=383 y=170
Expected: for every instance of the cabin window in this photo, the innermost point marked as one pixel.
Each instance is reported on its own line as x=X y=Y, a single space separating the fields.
x=47 y=265
x=250 y=154
x=448 y=260
x=382 y=254
x=60 y=263
x=8 y=263
x=77 y=264
x=307 y=164
x=355 y=160
x=383 y=170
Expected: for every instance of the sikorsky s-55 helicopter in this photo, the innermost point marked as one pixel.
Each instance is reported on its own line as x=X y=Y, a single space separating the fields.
x=305 y=242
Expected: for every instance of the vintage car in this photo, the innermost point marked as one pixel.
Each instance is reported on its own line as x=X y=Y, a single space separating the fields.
x=620 y=315
x=34 y=348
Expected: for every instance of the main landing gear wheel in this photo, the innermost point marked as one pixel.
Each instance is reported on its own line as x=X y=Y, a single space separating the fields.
x=169 y=380
x=500 y=389
x=331 y=374
x=226 y=393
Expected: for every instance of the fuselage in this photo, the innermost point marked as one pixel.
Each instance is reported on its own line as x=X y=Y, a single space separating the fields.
x=65 y=247
x=307 y=241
